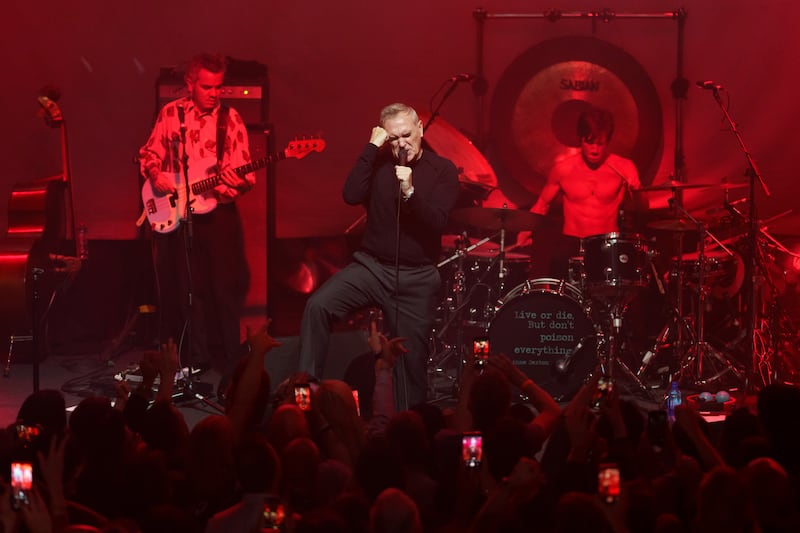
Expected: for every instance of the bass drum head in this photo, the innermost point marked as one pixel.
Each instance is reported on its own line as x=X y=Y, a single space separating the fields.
x=541 y=329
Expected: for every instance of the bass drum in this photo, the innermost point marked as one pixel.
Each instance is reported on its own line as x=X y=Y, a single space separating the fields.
x=544 y=329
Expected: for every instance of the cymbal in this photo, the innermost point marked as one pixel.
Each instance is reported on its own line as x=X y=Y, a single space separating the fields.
x=487 y=250
x=787 y=225
x=447 y=141
x=673 y=224
x=494 y=218
x=677 y=186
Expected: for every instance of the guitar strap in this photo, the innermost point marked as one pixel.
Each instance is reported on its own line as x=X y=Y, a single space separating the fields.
x=222 y=132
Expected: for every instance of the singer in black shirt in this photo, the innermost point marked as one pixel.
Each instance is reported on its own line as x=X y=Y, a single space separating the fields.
x=395 y=266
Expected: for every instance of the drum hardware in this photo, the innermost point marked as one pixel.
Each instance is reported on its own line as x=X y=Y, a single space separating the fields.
x=675 y=186
x=615 y=267
x=458 y=296
x=700 y=352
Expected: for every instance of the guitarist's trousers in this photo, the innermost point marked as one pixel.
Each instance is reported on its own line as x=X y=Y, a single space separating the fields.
x=211 y=268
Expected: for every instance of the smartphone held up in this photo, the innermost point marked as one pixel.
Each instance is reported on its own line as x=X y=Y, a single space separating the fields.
x=472 y=449
x=480 y=351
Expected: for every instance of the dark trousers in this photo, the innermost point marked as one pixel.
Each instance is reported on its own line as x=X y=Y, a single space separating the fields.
x=366 y=282
x=214 y=271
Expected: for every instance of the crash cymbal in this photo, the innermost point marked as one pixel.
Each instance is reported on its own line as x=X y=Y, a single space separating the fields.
x=678 y=186
x=445 y=139
x=785 y=225
x=673 y=224
x=539 y=97
x=494 y=218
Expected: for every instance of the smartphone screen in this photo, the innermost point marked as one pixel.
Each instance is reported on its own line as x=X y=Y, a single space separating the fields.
x=472 y=449
x=355 y=398
x=21 y=482
x=273 y=513
x=302 y=396
x=604 y=387
x=608 y=482
x=480 y=350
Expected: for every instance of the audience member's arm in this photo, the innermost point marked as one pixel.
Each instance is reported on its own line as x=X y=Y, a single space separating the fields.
x=51 y=467
x=8 y=518
x=241 y=402
x=689 y=421
x=545 y=405
x=167 y=364
x=135 y=408
x=462 y=418
x=522 y=485
x=620 y=448
x=389 y=351
x=123 y=392
x=579 y=472
x=35 y=515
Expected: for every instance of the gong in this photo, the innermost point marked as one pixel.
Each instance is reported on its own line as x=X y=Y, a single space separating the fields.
x=539 y=97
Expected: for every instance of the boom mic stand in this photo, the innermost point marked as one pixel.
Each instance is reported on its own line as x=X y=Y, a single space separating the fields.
x=752 y=267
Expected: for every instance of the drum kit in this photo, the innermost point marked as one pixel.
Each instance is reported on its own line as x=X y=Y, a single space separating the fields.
x=560 y=331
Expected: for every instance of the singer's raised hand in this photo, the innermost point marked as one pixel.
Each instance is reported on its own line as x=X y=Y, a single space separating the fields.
x=378 y=136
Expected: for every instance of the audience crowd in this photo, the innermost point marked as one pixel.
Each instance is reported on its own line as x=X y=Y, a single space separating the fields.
x=266 y=465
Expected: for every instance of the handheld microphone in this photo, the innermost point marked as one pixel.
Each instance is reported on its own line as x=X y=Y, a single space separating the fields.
x=402 y=157
x=709 y=84
x=463 y=77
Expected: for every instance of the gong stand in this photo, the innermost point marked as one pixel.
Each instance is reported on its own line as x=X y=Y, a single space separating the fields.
x=679 y=85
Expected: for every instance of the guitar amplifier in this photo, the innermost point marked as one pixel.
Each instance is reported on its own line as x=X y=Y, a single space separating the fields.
x=245 y=89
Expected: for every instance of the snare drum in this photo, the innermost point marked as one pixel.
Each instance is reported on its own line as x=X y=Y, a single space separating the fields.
x=723 y=273
x=542 y=326
x=615 y=262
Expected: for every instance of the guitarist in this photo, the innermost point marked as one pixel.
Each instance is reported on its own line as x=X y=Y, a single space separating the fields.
x=210 y=263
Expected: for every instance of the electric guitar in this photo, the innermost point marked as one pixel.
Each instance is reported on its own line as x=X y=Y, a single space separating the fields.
x=164 y=212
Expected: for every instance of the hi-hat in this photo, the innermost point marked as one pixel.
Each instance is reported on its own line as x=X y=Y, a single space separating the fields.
x=494 y=218
x=678 y=186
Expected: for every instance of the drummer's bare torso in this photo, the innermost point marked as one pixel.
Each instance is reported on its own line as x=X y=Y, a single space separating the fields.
x=591 y=196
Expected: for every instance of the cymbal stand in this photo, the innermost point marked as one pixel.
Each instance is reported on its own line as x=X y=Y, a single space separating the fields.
x=439 y=355
x=614 y=342
x=702 y=350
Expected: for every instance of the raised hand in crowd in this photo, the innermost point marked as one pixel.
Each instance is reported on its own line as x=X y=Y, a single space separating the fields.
x=689 y=421
x=549 y=411
x=35 y=515
x=166 y=362
x=388 y=351
x=51 y=469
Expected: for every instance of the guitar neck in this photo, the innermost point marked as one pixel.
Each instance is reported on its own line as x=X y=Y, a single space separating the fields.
x=204 y=185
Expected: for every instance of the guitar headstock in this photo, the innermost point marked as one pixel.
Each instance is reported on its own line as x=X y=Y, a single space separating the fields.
x=299 y=148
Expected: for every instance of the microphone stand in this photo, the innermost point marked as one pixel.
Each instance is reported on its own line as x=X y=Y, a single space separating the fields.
x=453 y=84
x=751 y=266
x=188 y=391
